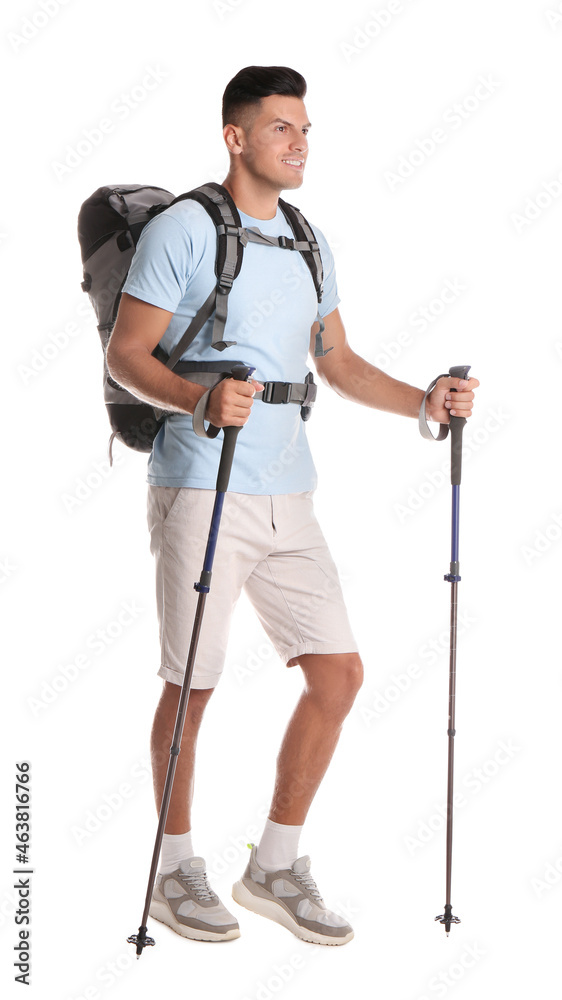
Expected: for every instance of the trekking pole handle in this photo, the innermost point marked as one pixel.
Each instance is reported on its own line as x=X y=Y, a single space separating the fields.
x=241 y=373
x=456 y=427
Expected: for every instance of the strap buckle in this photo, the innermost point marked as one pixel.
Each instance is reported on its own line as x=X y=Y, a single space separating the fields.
x=276 y=392
x=286 y=242
x=310 y=394
x=226 y=230
x=225 y=281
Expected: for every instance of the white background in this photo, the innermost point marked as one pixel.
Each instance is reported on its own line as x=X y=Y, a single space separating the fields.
x=476 y=211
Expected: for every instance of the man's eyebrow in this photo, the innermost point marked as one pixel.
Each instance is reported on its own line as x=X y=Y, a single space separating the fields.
x=290 y=124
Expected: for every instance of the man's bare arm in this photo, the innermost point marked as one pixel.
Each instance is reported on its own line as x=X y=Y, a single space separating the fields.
x=354 y=378
x=138 y=329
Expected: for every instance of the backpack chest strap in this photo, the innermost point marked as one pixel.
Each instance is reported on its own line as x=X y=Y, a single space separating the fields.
x=252 y=234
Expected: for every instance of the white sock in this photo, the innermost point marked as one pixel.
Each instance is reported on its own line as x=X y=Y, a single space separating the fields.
x=176 y=847
x=278 y=847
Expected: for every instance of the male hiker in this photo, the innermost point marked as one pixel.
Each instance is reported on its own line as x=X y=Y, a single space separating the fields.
x=269 y=542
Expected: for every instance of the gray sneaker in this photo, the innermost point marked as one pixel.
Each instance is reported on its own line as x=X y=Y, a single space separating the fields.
x=291 y=897
x=185 y=902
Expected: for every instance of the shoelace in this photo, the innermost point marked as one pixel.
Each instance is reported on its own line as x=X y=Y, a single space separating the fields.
x=199 y=885
x=308 y=882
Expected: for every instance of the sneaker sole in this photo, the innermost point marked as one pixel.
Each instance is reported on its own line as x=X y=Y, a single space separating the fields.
x=268 y=908
x=161 y=911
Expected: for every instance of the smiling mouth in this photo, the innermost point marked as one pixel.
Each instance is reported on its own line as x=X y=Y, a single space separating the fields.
x=296 y=164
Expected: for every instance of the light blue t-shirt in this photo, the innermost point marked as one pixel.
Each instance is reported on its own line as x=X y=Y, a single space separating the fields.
x=271 y=309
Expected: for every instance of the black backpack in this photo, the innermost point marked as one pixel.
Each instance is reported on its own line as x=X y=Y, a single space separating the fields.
x=109 y=225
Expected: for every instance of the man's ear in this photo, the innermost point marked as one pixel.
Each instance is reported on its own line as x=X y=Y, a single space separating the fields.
x=232 y=136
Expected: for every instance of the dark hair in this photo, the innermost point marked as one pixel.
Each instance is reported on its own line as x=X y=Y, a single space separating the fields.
x=254 y=82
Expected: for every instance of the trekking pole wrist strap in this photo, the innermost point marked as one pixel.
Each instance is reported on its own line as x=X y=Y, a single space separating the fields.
x=422 y=419
x=199 y=415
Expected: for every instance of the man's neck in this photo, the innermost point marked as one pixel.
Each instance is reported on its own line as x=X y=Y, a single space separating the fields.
x=257 y=201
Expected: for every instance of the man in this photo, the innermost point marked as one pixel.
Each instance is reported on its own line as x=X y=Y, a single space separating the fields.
x=269 y=541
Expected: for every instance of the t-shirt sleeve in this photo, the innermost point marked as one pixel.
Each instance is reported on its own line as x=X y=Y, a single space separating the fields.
x=162 y=264
x=330 y=298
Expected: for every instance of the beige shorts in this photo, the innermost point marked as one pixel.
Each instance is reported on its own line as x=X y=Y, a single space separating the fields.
x=271 y=546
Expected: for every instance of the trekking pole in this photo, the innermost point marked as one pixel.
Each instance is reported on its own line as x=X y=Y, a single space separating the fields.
x=241 y=373
x=456 y=426
x=452 y=577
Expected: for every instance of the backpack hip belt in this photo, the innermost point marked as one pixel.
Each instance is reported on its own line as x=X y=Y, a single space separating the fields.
x=210 y=373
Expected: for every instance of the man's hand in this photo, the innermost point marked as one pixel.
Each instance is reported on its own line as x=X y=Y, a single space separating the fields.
x=441 y=402
x=231 y=401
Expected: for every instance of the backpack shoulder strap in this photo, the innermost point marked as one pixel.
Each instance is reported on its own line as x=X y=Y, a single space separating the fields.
x=218 y=203
x=305 y=234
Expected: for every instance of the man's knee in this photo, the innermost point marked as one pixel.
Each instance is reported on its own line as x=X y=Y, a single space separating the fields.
x=352 y=675
x=333 y=677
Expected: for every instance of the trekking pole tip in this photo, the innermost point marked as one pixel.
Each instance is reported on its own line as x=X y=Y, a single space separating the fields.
x=447 y=918
x=141 y=940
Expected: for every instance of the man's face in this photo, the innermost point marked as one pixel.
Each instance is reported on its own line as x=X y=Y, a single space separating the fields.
x=274 y=146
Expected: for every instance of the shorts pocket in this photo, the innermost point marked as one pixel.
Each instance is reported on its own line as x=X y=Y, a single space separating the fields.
x=174 y=502
x=163 y=502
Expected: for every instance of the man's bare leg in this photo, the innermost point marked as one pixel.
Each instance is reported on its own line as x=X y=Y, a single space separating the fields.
x=179 y=813
x=331 y=683
x=182 y=897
